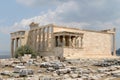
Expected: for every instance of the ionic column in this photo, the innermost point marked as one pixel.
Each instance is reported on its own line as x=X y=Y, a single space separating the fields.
x=39 y=40
x=31 y=38
x=16 y=43
x=81 y=42
x=52 y=38
x=43 y=39
x=47 y=38
x=20 y=41
x=75 y=40
x=64 y=40
x=114 y=45
x=35 y=39
x=41 y=44
x=58 y=40
x=70 y=42
x=12 y=47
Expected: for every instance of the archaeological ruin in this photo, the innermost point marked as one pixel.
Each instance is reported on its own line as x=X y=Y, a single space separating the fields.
x=53 y=40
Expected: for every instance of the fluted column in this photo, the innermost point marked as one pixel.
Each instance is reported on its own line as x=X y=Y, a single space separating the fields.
x=75 y=42
x=59 y=41
x=39 y=40
x=114 y=45
x=20 y=44
x=12 y=47
x=35 y=40
x=16 y=44
x=31 y=38
x=43 y=39
x=81 y=42
x=70 y=42
x=47 y=38
x=52 y=38
x=64 y=41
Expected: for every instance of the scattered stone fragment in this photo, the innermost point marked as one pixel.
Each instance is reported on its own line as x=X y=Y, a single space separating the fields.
x=116 y=73
x=73 y=75
x=26 y=72
x=63 y=71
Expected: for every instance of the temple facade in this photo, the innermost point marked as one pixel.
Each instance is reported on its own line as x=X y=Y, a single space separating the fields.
x=52 y=40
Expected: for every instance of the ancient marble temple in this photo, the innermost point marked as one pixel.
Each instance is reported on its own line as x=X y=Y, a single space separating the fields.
x=53 y=40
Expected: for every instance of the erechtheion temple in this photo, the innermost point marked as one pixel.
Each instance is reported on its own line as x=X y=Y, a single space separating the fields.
x=52 y=40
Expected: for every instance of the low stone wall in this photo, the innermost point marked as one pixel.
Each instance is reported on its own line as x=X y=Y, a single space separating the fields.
x=46 y=53
x=57 y=51
x=76 y=53
x=73 y=52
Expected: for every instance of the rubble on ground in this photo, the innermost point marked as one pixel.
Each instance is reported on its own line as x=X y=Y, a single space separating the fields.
x=51 y=68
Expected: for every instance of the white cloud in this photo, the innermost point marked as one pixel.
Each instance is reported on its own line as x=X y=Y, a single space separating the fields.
x=26 y=2
x=41 y=3
x=92 y=14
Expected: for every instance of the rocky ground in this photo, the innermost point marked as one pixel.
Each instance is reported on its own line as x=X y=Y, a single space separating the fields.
x=50 y=68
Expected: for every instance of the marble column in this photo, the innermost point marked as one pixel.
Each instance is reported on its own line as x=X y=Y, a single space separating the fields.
x=52 y=38
x=114 y=45
x=20 y=44
x=64 y=41
x=31 y=38
x=81 y=42
x=47 y=38
x=36 y=39
x=12 y=47
x=43 y=39
x=39 y=40
x=75 y=41
x=16 y=44
x=70 y=42
x=59 y=41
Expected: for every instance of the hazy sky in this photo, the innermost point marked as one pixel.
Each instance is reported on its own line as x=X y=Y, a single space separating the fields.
x=88 y=14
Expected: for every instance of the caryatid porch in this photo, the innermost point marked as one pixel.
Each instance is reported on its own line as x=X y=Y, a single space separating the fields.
x=68 y=39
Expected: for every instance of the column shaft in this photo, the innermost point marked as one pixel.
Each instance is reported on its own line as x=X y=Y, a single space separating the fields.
x=52 y=38
x=12 y=47
x=39 y=40
x=36 y=39
x=70 y=44
x=20 y=44
x=64 y=41
x=58 y=41
x=75 y=44
x=32 y=39
x=114 y=45
x=81 y=42
x=43 y=39
x=47 y=43
x=16 y=43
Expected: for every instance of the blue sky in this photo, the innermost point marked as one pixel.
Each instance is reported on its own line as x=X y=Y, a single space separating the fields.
x=88 y=14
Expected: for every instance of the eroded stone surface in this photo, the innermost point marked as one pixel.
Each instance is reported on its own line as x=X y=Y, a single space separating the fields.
x=66 y=70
